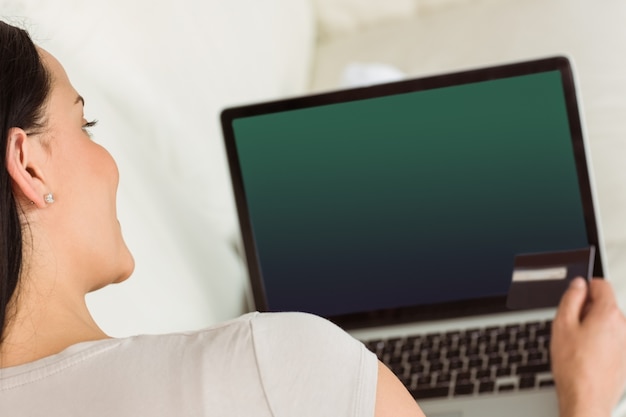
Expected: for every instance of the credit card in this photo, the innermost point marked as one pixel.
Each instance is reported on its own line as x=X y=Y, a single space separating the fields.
x=540 y=279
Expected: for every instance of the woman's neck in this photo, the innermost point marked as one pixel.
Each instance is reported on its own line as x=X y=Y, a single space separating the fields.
x=41 y=324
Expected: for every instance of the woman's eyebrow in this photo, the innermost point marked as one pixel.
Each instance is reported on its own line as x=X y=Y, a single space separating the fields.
x=80 y=99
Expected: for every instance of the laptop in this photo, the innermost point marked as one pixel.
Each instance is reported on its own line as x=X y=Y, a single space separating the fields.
x=396 y=211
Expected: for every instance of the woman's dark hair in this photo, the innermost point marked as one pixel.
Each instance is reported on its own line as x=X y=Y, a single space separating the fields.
x=24 y=88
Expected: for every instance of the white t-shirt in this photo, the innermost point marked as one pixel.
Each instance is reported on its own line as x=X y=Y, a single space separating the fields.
x=275 y=364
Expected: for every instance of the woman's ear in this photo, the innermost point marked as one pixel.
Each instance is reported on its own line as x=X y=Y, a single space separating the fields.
x=27 y=176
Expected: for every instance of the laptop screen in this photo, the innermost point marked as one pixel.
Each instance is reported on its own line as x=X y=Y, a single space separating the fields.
x=387 y=200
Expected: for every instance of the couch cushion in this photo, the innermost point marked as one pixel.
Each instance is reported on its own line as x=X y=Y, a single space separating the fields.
x=156 y=74
x=342 y=17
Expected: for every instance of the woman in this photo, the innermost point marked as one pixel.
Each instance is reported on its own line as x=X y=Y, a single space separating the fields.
x=60 y=239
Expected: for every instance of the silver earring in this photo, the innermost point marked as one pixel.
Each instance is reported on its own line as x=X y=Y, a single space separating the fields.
x=48 y=198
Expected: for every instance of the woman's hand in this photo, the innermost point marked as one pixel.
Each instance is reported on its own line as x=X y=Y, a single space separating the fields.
x=588 y=350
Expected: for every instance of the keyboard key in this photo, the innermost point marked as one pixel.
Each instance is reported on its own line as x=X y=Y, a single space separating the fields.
x=463 y=377
x=426 y=344
x=433 y=355
x=483 y=374
x=510 y=346
x=531 y=345
x=436 y=366
x=546 y=383
x=407 y=347
x=502 y=336
x=475 y=362
x=443 y=378
x=543 y=332
x=532 y=369
x=486 y=386
x=506 y=387
x=495 y=360
x=449 y=343
x=522 y=335
x=423 y=380
x=465 y=388
x=416 y=367
x=503 y=371
x=534 y=357
x=453 y=353
x=395 y=341
x=455 y=364
x=527 y=381
x=388 y=348
x=432 y=392
x=514 y=357
x=472 y=351
x=394 y=359
x=492 y=349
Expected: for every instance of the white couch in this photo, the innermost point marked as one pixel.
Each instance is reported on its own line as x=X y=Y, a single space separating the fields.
x=156 y=75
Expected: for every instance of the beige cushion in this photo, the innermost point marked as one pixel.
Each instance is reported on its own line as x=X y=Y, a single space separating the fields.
x=342 y=17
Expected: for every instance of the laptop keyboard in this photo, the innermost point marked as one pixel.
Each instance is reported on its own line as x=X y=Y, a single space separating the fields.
x=476 y=361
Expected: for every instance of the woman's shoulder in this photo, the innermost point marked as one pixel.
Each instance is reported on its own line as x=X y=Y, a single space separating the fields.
x=257 y=337
x=270 y=339
x=287 y=330
x=284 y=362
x=256 y=324
x=296 y=326
x=289 y=319
x=255 y=330
x=293 y=336
x=301 y=357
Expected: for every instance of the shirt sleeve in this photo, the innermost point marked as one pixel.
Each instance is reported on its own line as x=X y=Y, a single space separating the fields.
x=309 y=367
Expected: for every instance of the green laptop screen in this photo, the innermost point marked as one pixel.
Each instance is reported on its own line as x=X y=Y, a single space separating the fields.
x=409 y=199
